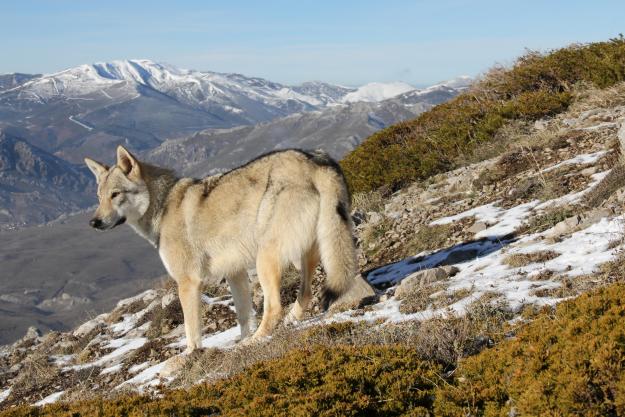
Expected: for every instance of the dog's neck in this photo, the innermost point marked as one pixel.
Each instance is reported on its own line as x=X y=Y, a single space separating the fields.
x=159 y=182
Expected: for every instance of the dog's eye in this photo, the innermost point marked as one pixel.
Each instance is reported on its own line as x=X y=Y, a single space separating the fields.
x=114 y=194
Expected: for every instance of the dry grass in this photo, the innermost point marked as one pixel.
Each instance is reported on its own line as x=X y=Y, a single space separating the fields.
x=548 y=219
x=420 y=299
x=368 y=201
x=163 y=320
x=444 y=339
x=37 y=373
x=289 y=287
x=588 y=97
x=428 y=238
x=608 y=186
x=446 y=299
x=518 y=260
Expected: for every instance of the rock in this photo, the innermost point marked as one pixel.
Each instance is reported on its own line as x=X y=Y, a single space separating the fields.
x=587 y=172
x=564 y=227
x=420 y=279
x=540 y=124
x=451 y=270
x=593 y=216
x=478 y=227
x=586 y=114
x=32 y=333
x=359 y=291
x=167 y=299
x=373 y=217
x=89 y=326
x=577 y=222
x=621 y=136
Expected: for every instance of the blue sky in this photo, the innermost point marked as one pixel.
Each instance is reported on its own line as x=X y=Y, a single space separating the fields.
x=346 y=42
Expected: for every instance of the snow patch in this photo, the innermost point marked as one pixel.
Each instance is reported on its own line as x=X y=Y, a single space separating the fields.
x=374 y=92
x=52 y=398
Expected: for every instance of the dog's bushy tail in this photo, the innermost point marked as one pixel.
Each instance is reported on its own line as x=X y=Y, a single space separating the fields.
x=334 y=231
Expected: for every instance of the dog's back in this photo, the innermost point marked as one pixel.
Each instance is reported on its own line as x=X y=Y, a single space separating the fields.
x=294 y=201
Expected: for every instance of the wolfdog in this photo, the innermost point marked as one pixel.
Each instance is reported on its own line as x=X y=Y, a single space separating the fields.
x=285 y=207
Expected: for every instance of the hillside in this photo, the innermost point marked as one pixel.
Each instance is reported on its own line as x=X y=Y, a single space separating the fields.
x=468 y=266
x=35 y=186
x=538 y=85
x=337 y=130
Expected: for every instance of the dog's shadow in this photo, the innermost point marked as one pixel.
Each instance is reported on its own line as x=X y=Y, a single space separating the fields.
x=391 y=274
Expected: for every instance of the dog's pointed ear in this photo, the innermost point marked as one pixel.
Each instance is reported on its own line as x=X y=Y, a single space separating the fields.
x=127 y=162
x=96 y=167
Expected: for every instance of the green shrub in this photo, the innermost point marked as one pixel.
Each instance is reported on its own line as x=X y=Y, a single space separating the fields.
x=538 y=85
x=337 y=381
x=571 y=362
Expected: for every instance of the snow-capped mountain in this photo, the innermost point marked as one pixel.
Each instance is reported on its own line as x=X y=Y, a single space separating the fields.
x=92 y=108
x=374 y=92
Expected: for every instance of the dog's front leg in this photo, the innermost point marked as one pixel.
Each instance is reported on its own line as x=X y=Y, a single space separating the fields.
x=189 y=294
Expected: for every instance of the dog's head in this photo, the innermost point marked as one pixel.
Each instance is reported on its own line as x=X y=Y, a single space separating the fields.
x=122 y=192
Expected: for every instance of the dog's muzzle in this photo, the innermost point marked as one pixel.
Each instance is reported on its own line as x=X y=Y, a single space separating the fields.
x=100 y=225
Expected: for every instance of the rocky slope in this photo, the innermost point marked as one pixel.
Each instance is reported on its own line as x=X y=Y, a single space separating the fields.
x=337 y=130
x=36 y=186
x=529 y=227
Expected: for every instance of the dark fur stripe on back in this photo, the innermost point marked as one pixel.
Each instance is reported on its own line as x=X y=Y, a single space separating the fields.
x=319 y=158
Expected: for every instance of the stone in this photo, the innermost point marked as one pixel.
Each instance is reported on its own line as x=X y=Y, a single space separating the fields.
x=586 y=114
x=32 y=333
x=587 y=172
x=420 y=279
x=540 y=124
x=621 y=136
x=478 y=227
x=451 y=270
x=595 y=215
x=167 y=299
x=360 y=291
x=564 y=227
x=373 y=217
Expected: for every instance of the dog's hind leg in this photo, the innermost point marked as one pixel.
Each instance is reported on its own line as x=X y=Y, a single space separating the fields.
x=240 y=288
x=269 y=271
x=304 y=296
x=189 y=294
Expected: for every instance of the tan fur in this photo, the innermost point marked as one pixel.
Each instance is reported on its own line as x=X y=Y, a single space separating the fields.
x=286 y=207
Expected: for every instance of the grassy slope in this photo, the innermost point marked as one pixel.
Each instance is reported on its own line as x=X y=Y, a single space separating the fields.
x=538 y=85
x=570 y=361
